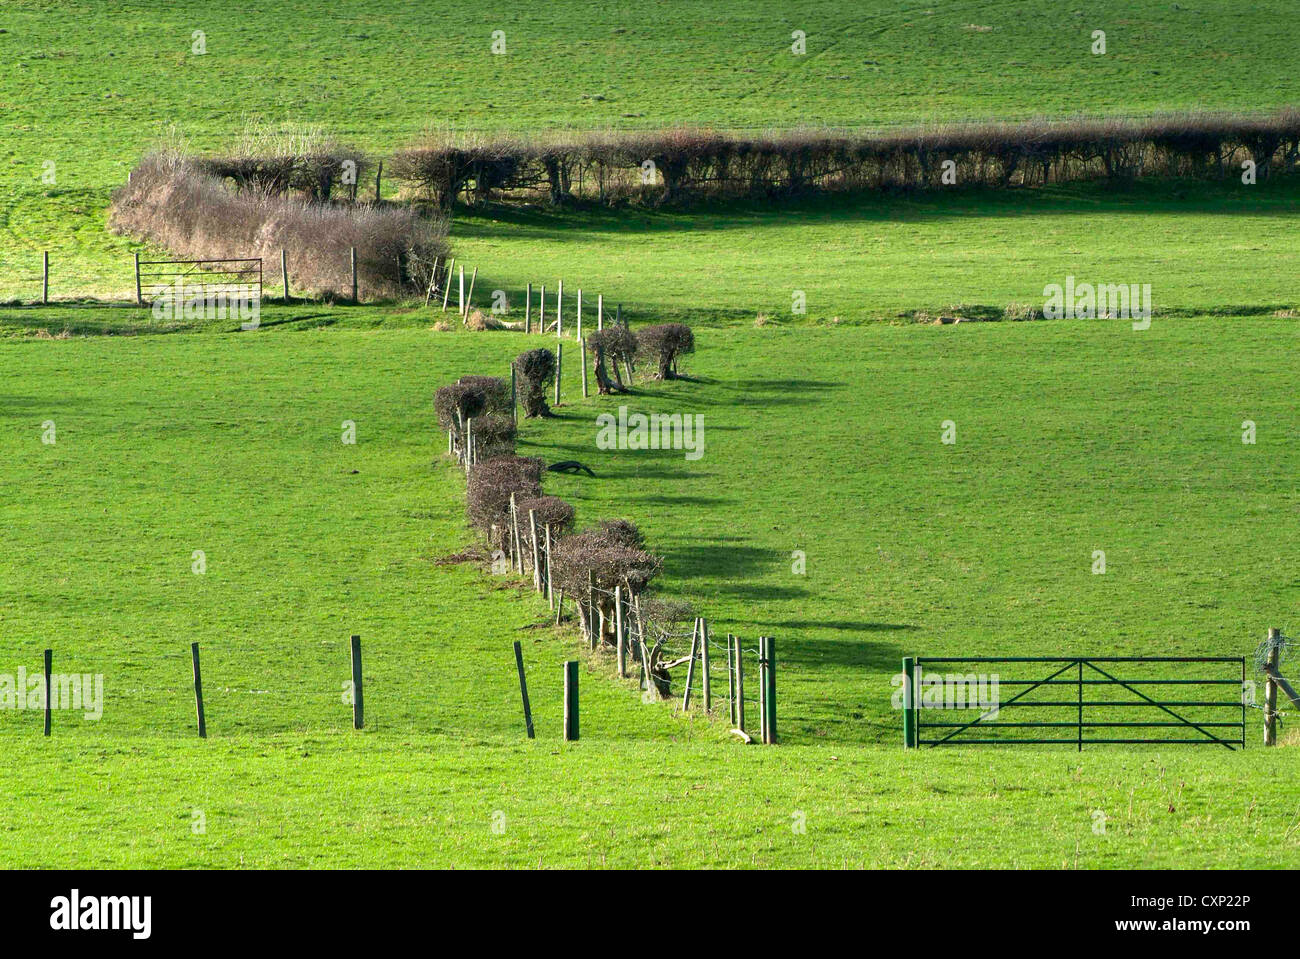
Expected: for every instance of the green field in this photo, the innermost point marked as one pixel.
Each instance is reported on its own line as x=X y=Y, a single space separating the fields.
x=822 y=435
x=115 y=80
x=1073 y=436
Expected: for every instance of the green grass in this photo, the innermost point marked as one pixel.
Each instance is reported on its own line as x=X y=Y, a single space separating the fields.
x=378 y=74
x=1073 y=436
x=821 y=436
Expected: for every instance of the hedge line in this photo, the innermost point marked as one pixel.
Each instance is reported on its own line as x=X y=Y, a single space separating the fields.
x=691 y=163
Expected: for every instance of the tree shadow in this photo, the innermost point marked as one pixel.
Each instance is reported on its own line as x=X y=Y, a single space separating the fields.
x=862 y=654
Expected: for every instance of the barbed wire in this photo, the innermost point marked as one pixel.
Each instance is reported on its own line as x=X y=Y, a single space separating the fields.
x=1265 y=648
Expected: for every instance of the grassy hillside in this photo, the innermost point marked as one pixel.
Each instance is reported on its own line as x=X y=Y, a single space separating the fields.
x=1072 y=437
x=377 y=74
x=822 y=437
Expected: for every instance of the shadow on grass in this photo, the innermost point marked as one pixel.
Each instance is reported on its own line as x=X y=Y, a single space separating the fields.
x=854 y=653
x=1147 y=197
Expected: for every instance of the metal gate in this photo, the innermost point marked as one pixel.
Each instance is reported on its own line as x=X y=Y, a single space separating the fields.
x=1079 y=702
x=229 y=277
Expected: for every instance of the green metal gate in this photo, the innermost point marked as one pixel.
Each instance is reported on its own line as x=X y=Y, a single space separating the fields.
x=1079 y=702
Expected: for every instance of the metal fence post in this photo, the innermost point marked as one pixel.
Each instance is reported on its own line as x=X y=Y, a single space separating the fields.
x=909 y=694
x=358 y=700
x=571 y=700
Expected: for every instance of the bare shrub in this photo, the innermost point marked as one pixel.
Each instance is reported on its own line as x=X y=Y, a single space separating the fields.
x=694 y=163
x=289 y=157
x=534 y=370
x=458 y=402
x=494 y=435
x=611 y=348
x=612 y=553
x=663 y=344
x=496 y=391
x=549 y=511
x=170 y=202
x=491 y=482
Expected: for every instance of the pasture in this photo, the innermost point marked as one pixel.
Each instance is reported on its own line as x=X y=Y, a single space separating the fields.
x=198 y=489
x=1073 y=436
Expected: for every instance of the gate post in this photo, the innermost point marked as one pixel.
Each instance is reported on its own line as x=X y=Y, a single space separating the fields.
x=909 y=717
x=1270 y=688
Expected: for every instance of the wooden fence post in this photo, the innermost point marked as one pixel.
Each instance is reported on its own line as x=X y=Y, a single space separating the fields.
x=469 y=297
x=591 y=607
x=515 y=559
x=532 y=534
x=578 y=332
x=139 y=297
x=600 y=311
x=909 y=706
x=514 y=396
x=1270 y=688
x=559 y=311
x=198 y=691
x=559 y=368
x=378 y=175
x=582 y=345
x=523 y=689
x=740 y=685
x=428 y=295
x=690 y=667
x=571 y=700
x=49 y=668
x=446 y=287
x=45 y=277
x=353 y=257
x=618 y=631
x=541 y=311
x=707 y=690
x=358 y=698
x=550 y=582
x=528 y=309
x=284 y=275
x=460 y=292
x=731 y=683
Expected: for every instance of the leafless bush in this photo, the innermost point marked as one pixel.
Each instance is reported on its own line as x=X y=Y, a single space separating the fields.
x=458 y=402
x=549 y=511
x=496 y=391
x=172 y=203
x=611 y=553
x=690 y=163
x=534 y=370
x=491 y=482
x=663 y=344
x=494 y=436
x=611 y=348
